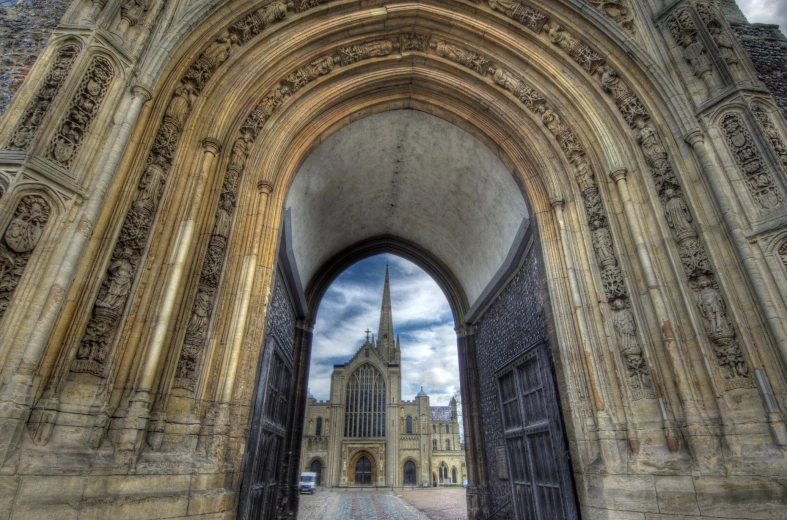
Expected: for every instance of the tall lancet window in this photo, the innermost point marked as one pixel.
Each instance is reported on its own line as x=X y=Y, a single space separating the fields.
x=365 y=409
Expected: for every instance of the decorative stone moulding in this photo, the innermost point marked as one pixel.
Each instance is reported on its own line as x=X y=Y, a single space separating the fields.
x=709 y=301
x=18 y=242
x=37 y=108
x=84 y=107
x=753 y=168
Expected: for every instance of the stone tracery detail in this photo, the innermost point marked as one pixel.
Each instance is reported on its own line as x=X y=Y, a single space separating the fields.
x=18 y=242
x=38 y=107
x=750 y=163
x=772 y=133
x=712 y=20
x=692 y=252
x=82 y=112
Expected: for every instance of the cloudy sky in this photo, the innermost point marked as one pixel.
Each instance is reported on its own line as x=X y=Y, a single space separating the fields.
x=421 y=317
x=765 y=11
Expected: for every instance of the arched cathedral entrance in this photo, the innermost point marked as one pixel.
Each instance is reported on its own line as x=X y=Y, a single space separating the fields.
x=580 y=185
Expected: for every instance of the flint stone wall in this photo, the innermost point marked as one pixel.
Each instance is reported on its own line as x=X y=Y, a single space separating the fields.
x=24 y=30
x=766 y=46
x=516 y=320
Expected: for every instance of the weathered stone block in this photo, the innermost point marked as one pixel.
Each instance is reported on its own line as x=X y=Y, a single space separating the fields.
x=676 y=495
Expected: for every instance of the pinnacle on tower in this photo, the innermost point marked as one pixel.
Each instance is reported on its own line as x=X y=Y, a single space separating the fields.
x=385 y=337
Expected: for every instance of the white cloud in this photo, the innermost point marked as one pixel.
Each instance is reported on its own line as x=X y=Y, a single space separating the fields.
x=765 y=11
x=422 y=317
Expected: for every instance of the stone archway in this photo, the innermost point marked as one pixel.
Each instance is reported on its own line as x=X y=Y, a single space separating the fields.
x=362 y=464
x=161 y=292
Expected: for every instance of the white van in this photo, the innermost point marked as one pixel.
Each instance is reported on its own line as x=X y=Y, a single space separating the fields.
x=308 y=482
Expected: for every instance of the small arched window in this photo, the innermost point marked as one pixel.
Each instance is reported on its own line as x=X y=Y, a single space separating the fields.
x=434 y=428
x=446 y=429
x=409 y=426
x=453 y=475
x=434 y=444
x=318 y=427
x=447 y=445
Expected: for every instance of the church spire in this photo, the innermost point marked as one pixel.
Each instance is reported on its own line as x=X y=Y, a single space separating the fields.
x=385 y=337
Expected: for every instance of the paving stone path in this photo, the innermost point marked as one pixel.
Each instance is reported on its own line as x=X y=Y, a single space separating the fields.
x=382 y=505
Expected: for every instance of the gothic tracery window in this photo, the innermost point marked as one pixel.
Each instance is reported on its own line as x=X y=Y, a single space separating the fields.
x=365 y=406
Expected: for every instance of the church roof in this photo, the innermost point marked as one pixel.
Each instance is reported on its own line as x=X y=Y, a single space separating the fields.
x=441 y=413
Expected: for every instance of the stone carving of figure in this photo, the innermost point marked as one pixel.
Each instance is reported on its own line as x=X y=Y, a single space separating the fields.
x=552 y=122
x=626 y=334
x=726 y=47
x=698 y=59
x=132 y=10
x=602 y=245
x=610 y=82
x=198 y=323
x=218 y=51
x=712 y=307
x=180 y=104
x=223 y=217
x=678 y=215
x=584 y=176
x=649 y=141
x=151 y=184
x=117 y=285
x=240 y=150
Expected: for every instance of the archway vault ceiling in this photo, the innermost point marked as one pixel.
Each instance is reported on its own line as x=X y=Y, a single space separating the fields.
x=412 y=175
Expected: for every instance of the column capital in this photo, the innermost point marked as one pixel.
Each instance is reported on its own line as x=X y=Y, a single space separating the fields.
x=695 y=137
x=211 y=145
x=141 y=91
x=618 y=174
x=265 y=187
x=557 y=202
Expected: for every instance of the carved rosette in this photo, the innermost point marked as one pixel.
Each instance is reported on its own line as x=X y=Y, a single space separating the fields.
x=18 y=242
x=196 y=334
x=82 y=112
x=772 y=133
x=693 y=254
x=37 y=108
x=612 y=280
x=750 y=162
x=96 y=346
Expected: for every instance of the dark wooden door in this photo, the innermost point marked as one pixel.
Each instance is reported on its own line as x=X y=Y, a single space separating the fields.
x=539 y=465
x=264 y=470
x=363 y=472
x=409 y=473
x=316 y=467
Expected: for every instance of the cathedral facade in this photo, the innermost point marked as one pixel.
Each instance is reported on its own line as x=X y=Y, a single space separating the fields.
x=366 y=435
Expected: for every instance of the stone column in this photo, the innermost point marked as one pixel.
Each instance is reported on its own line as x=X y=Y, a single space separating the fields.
x=477 y=473
x=302 y=358
x=241 y=307
x=15 y=397
x=696 y=140
x=668 y=338
x=139 y=407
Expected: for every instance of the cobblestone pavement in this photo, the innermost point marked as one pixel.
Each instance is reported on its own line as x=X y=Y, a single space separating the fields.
x=438 y=504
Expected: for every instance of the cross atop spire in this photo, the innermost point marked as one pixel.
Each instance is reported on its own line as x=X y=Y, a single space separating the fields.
x=367 y=331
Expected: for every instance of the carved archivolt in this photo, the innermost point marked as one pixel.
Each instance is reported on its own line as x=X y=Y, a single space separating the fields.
x=750 y=162
x=693 y=255
x=17 y=244
x=774 y=138
x=37 y=108
x=82 y=112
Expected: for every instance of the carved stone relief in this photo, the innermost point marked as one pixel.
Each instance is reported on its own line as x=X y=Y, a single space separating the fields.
x=132 y=10
x=783 y=254
x=684 y=32
x=82 y=112
x=693 y=254
x=613 y=282
x=750 y=162
x=618 y=11
x=17 y=244
x=772 y=133
x=95 y=348
x=721 y=36
x=37 y=108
